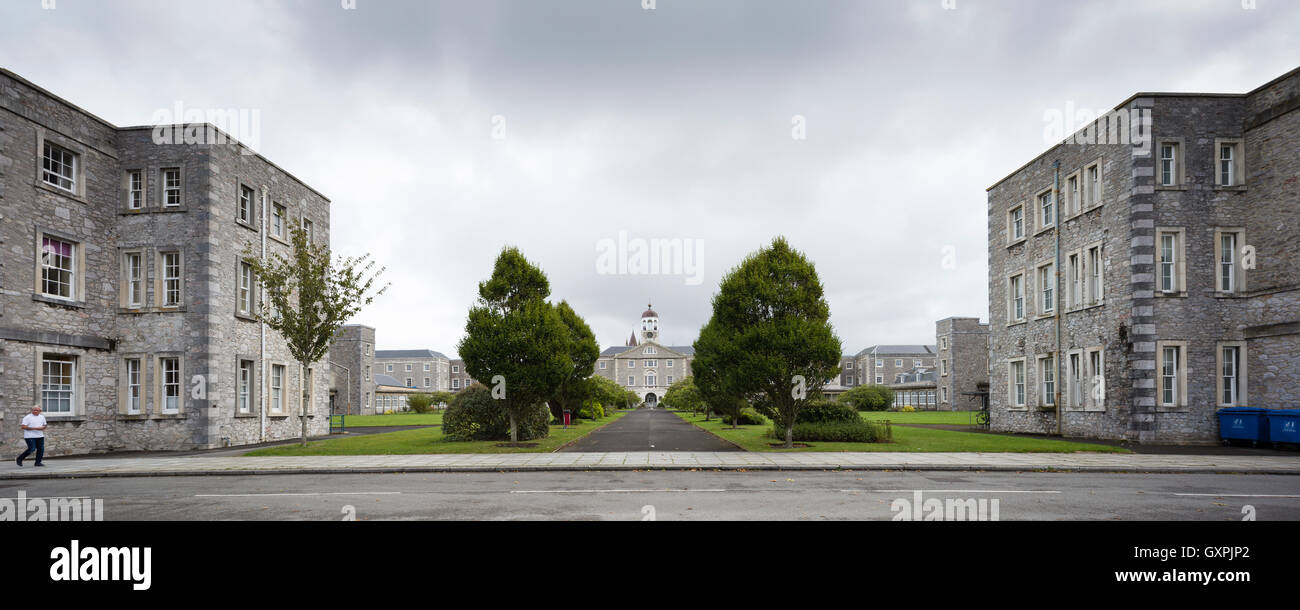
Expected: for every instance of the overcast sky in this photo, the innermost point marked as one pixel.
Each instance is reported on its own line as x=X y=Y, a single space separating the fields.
x=443 y=131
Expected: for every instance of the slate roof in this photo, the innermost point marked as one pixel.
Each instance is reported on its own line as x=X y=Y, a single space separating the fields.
x=685 y=350
x=392 y=354
x=898 y=350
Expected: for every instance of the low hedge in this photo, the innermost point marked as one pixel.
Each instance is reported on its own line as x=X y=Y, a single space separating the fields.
x=825 y=411
x=748 y=417
x=860 y=431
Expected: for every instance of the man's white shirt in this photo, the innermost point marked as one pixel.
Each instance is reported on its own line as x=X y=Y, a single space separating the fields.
x=34 y=421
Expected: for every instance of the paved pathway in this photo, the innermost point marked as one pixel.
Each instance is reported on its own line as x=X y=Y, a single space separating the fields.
x=644 y=460
x=650 y=430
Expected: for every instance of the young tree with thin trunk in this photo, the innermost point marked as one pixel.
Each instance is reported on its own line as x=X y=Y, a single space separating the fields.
x=770 y=335
x=309 y=297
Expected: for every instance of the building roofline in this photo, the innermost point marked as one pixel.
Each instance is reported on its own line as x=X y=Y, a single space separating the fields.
x=233 y=140
x=62 y=100
x=58 y=98
x=1142 y=94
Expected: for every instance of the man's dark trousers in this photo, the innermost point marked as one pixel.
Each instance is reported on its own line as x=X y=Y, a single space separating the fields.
x=33 y=444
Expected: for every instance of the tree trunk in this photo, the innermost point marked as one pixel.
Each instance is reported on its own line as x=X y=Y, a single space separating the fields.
x=302 y=374
x=514 y=429
x=789 y=435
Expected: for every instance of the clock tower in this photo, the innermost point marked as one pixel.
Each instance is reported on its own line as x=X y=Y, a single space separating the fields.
x=649 y=325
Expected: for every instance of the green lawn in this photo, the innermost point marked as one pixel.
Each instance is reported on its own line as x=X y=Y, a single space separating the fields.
x=754 y=438
x=391 y=419
x=430 y=440
x=963 y=418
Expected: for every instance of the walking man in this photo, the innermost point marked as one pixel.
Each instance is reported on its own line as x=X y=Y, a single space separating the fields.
x=34 y=434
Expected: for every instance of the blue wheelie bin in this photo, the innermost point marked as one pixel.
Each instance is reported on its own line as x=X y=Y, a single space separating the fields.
x=1284 y=425
x=1243 y=424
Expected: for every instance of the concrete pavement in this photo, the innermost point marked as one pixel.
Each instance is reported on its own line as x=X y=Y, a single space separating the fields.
x=643 y=460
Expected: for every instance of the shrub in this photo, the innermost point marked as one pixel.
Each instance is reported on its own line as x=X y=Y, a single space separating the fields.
x=420 y=403
x=592 y=410
x=821 y=411
x=748 y=417
x=474 y=415
x=908 y=409
x=859 y=431
x=869 y=397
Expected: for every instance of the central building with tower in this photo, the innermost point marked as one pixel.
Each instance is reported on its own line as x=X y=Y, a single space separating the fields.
x=644 y=365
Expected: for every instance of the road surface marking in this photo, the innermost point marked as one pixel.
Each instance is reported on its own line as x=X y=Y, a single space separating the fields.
x=313 y=493
x=1242 y=495
x=611 y=491
x=954 y=491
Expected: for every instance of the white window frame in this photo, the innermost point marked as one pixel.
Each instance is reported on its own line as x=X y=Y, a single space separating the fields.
x=133 y=385
x=602 y=365
x=1095 y=363
x=246 y=290
x=1016 y=298
x=1238 y=379
x=133 y=279
x=1016 y=232
x=1236 y=167
x=1073 y=195
x=1045 y=209
x=135 y=189
x=62 y=165
x=244 y=209
x=276 y=385
x=43 y=262
x=1175 y=385
x=1076 y=372
x=1047 y=380
x=171 y=190
x=1229 y=261
x=165 y=278
x=1094 y=274
x=1169 y=163
x=167 y=383
x=245 y=377
x=1171 y=263
x=1016 y=384
x=55 y=391
x=277 y=220
x=1094 y=187
x=1045 y=276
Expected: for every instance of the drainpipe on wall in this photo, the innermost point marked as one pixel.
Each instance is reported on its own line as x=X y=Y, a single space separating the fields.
x=1056 y=290
x=262 y=325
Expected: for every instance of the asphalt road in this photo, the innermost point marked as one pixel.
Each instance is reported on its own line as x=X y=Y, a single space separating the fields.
x=650 y=430
x=681 y=495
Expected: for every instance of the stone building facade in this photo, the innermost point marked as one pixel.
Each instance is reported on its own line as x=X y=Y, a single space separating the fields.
x=352 y=362
x=1176 y=290
x=423 y=369
x=457 y=377
x=882 y=364
x=645 y=366
x=963 y=363
x=123 y=309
